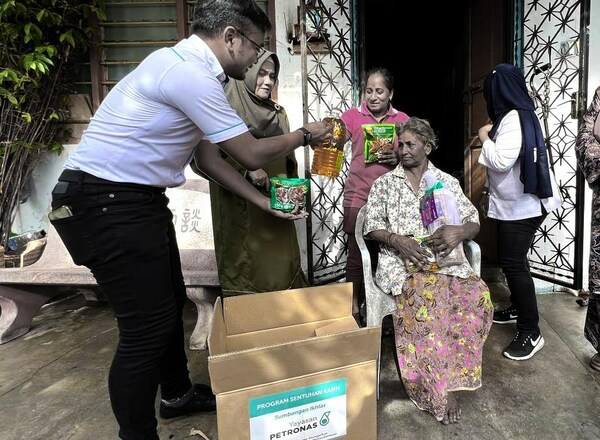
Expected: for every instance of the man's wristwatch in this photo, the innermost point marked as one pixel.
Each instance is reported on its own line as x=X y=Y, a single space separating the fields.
x=307 y=136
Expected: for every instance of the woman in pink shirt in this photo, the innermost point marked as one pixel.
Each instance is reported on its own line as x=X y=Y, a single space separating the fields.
x=375 y=110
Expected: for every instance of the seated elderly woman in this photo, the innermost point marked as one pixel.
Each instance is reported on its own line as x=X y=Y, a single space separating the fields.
x=443 y=315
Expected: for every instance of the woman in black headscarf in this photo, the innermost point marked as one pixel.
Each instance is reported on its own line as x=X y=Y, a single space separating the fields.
x=256 y=251
x=522 y=191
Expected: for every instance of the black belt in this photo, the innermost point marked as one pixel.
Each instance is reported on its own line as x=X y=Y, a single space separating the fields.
x=78 y=176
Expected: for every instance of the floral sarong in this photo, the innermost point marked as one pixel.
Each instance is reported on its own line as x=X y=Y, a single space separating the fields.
x=441 y=323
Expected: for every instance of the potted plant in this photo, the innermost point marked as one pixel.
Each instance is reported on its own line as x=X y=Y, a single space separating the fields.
x=41 y=42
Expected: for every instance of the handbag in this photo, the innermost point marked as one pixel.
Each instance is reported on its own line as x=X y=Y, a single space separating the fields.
x=438 y=207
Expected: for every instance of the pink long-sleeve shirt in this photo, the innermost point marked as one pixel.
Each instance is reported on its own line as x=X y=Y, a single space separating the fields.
x=361 y=176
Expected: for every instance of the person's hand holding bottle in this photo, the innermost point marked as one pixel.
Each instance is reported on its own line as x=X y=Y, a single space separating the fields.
x=320 y=132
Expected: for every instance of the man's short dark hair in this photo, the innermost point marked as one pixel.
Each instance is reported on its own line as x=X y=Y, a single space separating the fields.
x=212 y=16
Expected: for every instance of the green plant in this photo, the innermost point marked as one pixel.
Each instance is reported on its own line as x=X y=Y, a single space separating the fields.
x=40 y=40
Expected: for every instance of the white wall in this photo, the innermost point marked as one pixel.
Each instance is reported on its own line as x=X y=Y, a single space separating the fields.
x=290 y=92
x=32 y=215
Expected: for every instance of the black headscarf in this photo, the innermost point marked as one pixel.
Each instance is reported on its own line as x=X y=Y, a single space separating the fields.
x=504 y=90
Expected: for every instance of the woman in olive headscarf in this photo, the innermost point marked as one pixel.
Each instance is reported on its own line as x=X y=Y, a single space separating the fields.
x=256 y=252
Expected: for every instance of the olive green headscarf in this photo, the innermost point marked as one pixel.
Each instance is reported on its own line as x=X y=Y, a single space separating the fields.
x=264 y=117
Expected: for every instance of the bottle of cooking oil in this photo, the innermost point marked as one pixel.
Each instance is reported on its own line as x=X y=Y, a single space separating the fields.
x=328 y=157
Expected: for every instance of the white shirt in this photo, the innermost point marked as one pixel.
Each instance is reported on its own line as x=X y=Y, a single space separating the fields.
x=147 y=127
x=501 y=157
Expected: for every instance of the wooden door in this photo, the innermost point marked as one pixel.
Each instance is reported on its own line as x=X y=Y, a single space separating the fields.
x=487 y=36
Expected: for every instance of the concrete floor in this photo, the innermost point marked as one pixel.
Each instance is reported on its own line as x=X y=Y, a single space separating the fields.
x=53 y=382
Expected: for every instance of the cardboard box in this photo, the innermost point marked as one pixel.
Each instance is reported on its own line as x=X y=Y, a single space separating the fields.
x=293 y=365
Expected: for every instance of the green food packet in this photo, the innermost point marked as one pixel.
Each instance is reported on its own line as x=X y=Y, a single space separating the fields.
x=288 y=193
x=378 y=137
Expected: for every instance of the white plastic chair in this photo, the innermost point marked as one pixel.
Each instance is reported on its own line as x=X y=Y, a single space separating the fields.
x=380 y=304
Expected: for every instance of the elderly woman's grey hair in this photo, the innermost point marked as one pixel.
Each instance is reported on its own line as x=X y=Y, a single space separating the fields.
x=421 y=129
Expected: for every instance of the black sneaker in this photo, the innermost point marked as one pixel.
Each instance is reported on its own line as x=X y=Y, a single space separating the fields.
x=199 y=399
x=506 y=316
x=524 y=346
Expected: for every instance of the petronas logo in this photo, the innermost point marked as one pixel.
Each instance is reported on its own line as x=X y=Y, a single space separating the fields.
x=324 y=419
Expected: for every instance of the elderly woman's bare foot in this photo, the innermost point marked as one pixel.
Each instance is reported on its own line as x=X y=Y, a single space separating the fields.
x=453 y=410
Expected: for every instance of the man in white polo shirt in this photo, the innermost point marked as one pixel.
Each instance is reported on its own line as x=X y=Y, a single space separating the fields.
x=110 y=209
